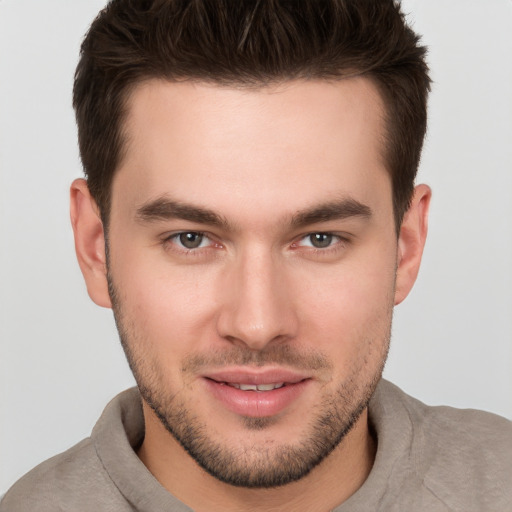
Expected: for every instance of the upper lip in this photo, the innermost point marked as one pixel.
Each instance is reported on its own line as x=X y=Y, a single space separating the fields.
x=256 y=376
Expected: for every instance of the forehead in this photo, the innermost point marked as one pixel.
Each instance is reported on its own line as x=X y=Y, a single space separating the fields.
x=290 y=144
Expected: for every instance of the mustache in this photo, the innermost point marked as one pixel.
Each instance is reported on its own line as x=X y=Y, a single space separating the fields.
x=284 y=355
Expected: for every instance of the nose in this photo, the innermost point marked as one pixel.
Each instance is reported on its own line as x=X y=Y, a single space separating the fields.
x=258 y=308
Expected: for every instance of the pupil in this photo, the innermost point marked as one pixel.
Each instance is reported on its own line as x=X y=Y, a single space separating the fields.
x=191 y=240
x=321 y=240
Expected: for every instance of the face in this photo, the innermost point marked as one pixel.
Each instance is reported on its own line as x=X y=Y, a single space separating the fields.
x=252 y=267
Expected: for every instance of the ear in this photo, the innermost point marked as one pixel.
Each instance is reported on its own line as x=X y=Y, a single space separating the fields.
x=411 y=242
x=89 y=242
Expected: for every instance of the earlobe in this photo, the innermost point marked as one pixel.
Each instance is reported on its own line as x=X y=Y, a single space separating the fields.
x=411 y=242
x=89 y=242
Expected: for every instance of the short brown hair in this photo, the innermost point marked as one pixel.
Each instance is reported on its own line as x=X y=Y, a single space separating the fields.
x=248 y=43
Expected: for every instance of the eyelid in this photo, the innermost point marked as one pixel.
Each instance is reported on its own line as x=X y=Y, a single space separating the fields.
x=173 y=239
x=337 y=236
x=340 y=244
x=171 y=234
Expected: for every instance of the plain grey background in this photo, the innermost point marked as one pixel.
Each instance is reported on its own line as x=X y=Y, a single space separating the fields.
x=60 y=360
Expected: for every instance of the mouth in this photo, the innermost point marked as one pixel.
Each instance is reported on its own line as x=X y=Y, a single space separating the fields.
x=254 y=387
x=257 y=394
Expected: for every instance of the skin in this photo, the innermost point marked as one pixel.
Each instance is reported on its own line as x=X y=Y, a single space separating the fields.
x=255 y=295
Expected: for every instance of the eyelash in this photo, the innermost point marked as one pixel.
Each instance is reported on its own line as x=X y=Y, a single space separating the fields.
x=338 y=242
x=177 y=245
x=335 y=239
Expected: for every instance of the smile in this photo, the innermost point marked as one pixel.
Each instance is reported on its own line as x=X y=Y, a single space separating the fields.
x=257 y=394
x=255 y=387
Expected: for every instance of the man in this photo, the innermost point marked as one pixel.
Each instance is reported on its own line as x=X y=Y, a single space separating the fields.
x=250 y=216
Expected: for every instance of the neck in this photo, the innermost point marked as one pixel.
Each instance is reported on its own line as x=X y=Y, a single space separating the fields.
x=328 y=485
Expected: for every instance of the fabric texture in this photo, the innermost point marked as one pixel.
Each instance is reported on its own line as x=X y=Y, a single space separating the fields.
x=435 y=459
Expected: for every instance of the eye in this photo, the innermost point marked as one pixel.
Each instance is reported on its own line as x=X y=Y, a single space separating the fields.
x=319 y=240
x=190 y=240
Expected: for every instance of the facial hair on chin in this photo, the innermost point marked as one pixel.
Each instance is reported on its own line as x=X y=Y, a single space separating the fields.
x=255 y=465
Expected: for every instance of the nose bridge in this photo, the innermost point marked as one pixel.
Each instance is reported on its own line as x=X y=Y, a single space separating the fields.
x=258 y=310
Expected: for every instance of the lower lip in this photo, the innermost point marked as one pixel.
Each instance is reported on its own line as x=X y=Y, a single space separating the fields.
x=256 y=404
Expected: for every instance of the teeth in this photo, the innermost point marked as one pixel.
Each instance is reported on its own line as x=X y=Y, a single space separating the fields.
x=257 y=387
x=248 y=387
x=269 y=387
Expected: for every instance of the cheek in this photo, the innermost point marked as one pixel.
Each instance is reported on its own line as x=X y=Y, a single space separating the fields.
x=167 y=305
x=349 y=307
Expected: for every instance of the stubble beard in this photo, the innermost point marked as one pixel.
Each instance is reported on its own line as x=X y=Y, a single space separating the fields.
x=256 y=465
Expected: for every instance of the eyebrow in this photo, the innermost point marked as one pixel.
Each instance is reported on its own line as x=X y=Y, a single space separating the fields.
x=335 y=210
x=164 y=208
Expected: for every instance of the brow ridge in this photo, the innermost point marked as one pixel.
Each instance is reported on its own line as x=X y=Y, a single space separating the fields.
x=164 y=208
x=334 y=210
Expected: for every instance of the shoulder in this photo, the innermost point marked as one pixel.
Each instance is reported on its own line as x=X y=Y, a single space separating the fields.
x=477 y=432
x=447 y=423
x=459 y=436
x=461 y=455
x=68 y=481
x=77 y=479
x=471 y=450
